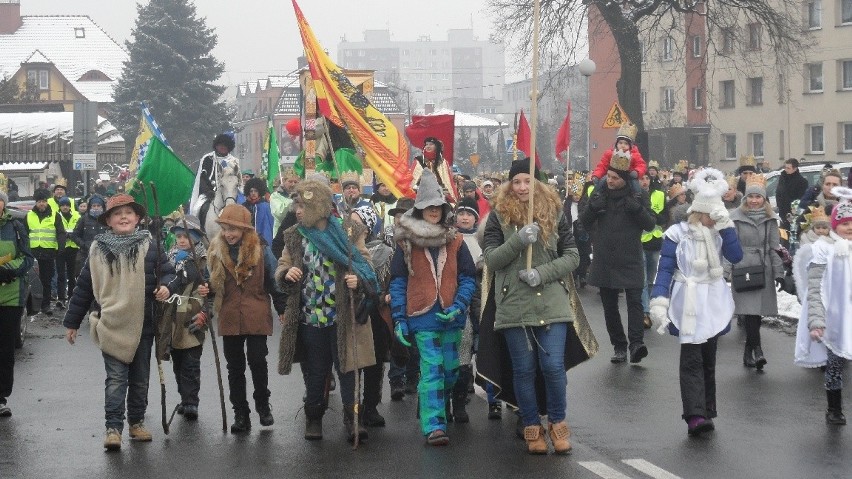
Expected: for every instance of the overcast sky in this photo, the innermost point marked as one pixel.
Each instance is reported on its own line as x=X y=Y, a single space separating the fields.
x=258 y=38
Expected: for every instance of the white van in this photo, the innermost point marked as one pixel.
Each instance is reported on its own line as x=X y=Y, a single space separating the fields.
x=810 y=171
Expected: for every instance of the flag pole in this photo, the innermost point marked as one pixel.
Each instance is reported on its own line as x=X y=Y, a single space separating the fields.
x=533 y=121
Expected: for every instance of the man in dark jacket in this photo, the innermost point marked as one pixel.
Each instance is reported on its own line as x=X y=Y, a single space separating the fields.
x=617 y=262
x=791 y=186
x=86 y=229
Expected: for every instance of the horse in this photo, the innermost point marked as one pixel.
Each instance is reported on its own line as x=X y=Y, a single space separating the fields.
x=226 y=190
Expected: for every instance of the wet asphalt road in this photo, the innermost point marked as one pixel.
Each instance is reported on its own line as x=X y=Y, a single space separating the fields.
x=625 y=421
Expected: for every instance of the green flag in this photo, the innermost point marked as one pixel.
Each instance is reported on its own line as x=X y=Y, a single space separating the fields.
x=271 y=156
x=172 y=177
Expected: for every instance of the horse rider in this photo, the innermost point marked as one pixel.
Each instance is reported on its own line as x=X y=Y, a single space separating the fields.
x=207 y=178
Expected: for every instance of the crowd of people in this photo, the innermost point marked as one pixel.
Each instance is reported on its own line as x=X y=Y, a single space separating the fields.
x=426 y=284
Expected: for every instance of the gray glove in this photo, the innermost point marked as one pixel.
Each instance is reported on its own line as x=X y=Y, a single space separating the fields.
x=530 y=276
x=529 y=233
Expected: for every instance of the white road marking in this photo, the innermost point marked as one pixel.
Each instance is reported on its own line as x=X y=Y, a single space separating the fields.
x=602 y=470
x=650 y=469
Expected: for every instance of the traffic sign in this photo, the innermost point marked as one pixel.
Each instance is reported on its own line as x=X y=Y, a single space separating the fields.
x=510 y=146
x=615 y=117
x=84 y=161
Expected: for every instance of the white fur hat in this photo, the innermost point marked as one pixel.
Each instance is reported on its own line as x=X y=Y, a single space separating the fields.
x=708 y=185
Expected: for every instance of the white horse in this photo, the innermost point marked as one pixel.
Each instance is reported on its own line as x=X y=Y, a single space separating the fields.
x=227 y=188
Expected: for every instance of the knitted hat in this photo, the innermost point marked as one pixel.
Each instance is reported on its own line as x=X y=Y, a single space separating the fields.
x=487 y=183
x=842 y=211
x=367 y=215
x=41 y=194
x=469 y=205
x=708 y=185
x=522 y=166
x=469 y=186
x=620 y=163
x=756 y=184
x=235 y=215
x=118 y=200
x=97 y=199
x=64 y=201
x=402 y=205
x=315 y=198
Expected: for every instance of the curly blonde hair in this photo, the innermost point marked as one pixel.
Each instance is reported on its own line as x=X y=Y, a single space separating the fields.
x=548 y=205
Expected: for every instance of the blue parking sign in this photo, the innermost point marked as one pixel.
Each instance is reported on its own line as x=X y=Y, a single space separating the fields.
x=510 y=145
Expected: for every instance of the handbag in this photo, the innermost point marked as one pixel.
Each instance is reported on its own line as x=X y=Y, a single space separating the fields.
x=749 y=278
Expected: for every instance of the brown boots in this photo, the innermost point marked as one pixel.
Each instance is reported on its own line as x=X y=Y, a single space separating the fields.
x=559 y=434
x=534 y=435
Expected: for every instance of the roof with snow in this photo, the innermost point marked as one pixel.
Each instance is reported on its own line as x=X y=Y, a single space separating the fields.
x=74 y=44
x=48 y=136
x=467 y=119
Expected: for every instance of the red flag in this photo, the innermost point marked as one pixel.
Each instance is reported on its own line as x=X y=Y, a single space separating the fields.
x=524 y=136
x=441 y=127
x=563 y=136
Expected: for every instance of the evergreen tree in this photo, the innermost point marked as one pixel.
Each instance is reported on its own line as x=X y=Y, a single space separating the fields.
x=8 y=90
x=172 y=69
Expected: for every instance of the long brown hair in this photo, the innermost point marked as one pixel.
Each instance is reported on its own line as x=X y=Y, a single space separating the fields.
x=547 y=208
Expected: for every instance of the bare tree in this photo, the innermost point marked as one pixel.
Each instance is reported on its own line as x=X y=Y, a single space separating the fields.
x=564 y=33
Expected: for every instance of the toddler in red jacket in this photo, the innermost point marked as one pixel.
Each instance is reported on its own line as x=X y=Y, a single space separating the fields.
x=624 y=146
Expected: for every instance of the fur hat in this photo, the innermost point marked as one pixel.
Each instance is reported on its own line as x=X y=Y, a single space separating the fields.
x=257 y=184
x=469 y=205
x=224 y=139
x=118 y=200
x=756 y=184
x=522 y=166
x=402 y=205
x=842 y=211
x=41 y=194
x=315 y=198
x=708 y=185
x=235 y=215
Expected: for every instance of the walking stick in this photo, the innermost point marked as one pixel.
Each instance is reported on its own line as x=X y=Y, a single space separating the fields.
x=533 y=120
x=357 y=402
x=212 y=334
x=157 y=273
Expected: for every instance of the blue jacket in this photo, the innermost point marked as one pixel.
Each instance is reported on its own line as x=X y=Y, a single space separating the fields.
x=731 y=250
x=261 y=218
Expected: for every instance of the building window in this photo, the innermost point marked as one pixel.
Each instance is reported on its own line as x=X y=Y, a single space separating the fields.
x=846 y=74
x=727 y=40
x=668 y=99
x=754 y=36
x=668 y=49
x=643 y=101
x=815 y=14
x=814 y=71
x=727 y=89
x=79 y=32
x=847 y=138
x=846 y=12
x=730 y=146
x=755 y=89
x=757 y=144
x=696 y=46
x=817 y=143
x=698 y=98
x=39 y=78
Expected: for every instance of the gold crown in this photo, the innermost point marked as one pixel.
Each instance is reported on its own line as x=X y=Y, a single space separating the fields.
x=61 y=182
x=733 y=181
x=349 y=176
x=627 y=130
x=748 y=161
x=576 y=185
x=680 y=167
x=756 y=179
x=818 y=214
x=620 y=161
x=654 y=164
x=675 y=190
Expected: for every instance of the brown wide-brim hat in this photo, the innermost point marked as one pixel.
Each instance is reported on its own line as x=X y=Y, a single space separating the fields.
x=122 y=199
x=402 y=205
x=235 y=215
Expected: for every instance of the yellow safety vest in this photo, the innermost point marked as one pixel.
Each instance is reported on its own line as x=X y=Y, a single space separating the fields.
x=42 y=232
x=658 y=202
x=589 y=190
x=69 y=227
x=55 y=206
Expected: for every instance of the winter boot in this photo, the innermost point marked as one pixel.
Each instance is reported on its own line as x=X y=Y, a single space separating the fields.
x=834 y=413
x=242 y=421
x=559 y=434
x=370 y=417
x=759 y=359
x=313 y=422
x=495 y=411
x=190 y=412
x=351 y=427
x=748 y=356
x=397 y=391
x=264 y=410
x=139 y=432
x=534 y=435
x=460 y=415
x=112 y=440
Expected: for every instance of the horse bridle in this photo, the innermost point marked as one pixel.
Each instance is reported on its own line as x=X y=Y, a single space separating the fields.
x=218 y=168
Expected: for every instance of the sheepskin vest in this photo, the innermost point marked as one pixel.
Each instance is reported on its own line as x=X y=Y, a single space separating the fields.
x=241 y=301
x=440 y=285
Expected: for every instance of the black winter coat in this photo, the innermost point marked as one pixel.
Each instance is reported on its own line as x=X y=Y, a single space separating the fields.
x=790 y=188
x=85 y=231
x=618 y=258
x=83 y=297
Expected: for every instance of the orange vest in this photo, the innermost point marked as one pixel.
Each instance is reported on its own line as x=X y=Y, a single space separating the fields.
x=423 y=289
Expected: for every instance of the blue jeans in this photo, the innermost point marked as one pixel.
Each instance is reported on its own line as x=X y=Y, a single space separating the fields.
x=127 y=382
x=543 y=347
x=651 y=259
x=320 y=346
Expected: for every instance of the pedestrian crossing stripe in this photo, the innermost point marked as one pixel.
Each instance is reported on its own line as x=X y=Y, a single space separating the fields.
x=606 y=472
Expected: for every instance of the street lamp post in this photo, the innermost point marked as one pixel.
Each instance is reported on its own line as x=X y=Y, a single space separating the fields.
x=501 y=143
x=587 y=68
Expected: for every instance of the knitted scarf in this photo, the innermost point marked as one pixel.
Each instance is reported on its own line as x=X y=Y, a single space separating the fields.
x=114 y=246
x=706 y=260
x=334 y=244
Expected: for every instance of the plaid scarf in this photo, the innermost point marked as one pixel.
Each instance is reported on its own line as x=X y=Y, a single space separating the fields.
x=114 y=246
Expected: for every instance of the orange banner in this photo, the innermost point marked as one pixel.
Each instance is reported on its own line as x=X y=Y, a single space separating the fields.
x=386 y=151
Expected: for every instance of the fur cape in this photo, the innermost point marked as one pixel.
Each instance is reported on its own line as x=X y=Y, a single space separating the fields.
x=219 y=260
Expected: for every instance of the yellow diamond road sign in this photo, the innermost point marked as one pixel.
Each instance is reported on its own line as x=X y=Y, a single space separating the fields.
x=615 y=117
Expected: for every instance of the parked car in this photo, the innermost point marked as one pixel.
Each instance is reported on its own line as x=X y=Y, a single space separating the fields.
x=810 y=171
x=18 y=210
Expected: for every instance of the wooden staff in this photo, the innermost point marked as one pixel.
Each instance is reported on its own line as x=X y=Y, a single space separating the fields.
x=357 y=401
x=533 y=120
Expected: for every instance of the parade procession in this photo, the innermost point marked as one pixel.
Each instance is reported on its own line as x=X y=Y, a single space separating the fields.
x=410 y=281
